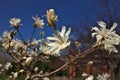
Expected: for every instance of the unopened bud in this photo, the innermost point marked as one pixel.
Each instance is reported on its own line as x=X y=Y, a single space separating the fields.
x=15 y=75
x=28 y=60
x=36 y=69
x=22 y=71
x=85 y=74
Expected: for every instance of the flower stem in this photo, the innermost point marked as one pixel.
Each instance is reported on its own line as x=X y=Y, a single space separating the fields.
x=34 y=29
x=20 y=35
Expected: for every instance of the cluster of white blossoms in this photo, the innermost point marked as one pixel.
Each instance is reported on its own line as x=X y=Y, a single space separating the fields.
x=104 y=76
x=27 y=52
x=8 y=41
x=60 y=40
x=106 y=37
x=52 y=45
x=57 y=42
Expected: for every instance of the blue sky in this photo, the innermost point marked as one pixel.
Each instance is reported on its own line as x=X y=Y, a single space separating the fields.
x=69 y=12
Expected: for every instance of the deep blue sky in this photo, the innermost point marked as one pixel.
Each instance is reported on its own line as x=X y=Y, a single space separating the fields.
x=69 y=12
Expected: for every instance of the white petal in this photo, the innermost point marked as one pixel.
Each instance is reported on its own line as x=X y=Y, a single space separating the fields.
x=53 y=44
x=51 y=10
x=107 y=45
x=113 y=27
x=95 y=29
x=68 y=43
x=112 y=48
x=93 y=34
x=102 y=24
x=53 y=38
x=63 y=30
x=68 y=32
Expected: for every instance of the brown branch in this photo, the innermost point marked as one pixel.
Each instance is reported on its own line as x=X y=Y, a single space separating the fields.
x=48 y=74
x=88 y=51
x=81 y=55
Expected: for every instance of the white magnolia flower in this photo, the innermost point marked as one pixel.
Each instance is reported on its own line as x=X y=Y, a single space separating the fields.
x=15 y=22
x=6 y=38
x=38 y=22
x=91 y=77
x=51 y=17
x=106 y=37
x=104 y=76
x=57 y=42
x=7 y=35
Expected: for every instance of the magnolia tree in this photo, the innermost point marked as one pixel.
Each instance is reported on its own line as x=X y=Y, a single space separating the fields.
x=28 y=53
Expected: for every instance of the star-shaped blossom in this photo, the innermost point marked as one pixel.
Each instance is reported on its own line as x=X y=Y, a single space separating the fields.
x=38 y=22
x=51 y=17
x=7 y=35
x=6 y=38
x=15 y=22
x=106 y=37
x=57 y=42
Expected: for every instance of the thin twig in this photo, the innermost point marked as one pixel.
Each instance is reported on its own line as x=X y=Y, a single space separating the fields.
x=14 y=57
x=88 y=51
x=20 y=35
x=48 y=74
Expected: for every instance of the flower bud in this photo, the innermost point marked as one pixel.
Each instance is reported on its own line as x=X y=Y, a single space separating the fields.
x=22 y=71
x=28 y=60
x=36 y=69
x=15 y=75
x=51 y=17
